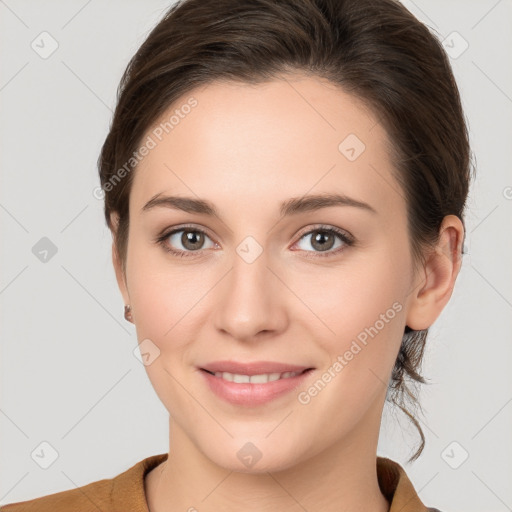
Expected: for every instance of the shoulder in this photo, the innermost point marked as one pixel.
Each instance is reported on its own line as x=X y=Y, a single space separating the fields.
x=91 y=497
x=124 y=490
x=398 y=488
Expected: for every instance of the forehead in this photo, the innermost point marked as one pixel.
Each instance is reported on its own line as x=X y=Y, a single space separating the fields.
x=266 y=142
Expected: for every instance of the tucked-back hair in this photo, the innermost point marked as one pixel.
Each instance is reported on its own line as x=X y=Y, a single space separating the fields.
x=375 y=50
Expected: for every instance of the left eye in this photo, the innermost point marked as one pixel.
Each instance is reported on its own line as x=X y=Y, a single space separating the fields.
x=323 y=240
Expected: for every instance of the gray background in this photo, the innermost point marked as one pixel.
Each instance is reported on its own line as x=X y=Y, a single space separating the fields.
x=68 y=374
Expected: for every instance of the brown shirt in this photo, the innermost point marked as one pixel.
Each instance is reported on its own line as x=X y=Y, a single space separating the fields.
x=125 y=492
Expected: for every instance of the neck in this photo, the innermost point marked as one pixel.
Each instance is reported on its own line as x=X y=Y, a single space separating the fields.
x=342 y=478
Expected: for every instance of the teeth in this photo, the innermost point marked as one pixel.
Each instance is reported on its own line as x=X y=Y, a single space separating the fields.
x=255 y=379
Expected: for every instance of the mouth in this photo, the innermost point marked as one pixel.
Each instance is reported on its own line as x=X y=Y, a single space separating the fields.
x=257 y=389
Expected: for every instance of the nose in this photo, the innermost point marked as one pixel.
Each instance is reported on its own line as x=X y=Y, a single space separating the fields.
x=251 y=301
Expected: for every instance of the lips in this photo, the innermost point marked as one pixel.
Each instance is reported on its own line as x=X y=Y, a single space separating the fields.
x=253 y=368
x=235 y=389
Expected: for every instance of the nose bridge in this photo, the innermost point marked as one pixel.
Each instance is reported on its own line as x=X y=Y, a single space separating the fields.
x=249 y=302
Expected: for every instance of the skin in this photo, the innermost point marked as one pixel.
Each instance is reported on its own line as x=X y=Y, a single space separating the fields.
x=246 y=149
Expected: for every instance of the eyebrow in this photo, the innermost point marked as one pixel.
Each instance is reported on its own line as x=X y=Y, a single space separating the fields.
x=292 y=206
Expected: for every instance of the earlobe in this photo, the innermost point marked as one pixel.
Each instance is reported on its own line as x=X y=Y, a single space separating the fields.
x=433 y=291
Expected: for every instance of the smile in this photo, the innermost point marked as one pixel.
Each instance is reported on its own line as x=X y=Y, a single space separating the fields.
x=254 y=390
x=254 y=379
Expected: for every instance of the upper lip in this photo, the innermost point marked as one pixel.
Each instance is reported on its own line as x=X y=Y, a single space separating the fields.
x=252 y=368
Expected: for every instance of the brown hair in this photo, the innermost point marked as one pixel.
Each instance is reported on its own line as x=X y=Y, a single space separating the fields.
x=374 y=49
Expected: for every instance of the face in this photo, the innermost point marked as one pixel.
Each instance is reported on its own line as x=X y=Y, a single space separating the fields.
x=271 y=275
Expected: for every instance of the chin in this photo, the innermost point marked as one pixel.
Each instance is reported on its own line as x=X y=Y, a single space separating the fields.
x=254 y=456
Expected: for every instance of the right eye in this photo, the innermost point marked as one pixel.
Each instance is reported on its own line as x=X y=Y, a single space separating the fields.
x=191 y=240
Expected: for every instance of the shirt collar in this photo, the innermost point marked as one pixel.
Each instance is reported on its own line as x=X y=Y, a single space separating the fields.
x=397 y=488
x=128 y=487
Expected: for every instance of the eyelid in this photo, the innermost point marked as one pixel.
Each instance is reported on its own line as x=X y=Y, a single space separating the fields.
x=166 y=232
x=326 y=227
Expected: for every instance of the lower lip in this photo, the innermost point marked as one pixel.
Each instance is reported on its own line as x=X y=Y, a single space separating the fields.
x=253 y=394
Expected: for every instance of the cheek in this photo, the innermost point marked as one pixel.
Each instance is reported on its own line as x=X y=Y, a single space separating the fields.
x=168 y=312
x=359 y=293
x=365 y=319
x=167 y=301
x=164 y=312
x=355 y=306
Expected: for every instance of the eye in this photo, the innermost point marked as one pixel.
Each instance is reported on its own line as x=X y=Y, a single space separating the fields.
x=328 y=240
x=184 y=241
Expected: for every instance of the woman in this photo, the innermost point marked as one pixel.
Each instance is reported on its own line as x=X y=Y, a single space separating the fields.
x=285 y=182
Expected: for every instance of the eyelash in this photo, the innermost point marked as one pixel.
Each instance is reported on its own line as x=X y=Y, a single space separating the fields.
x=345 y=238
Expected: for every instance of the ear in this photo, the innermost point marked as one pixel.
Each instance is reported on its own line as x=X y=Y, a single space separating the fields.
x=116 y=260
x=436 y=281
